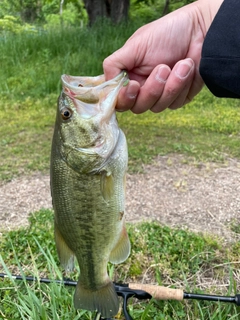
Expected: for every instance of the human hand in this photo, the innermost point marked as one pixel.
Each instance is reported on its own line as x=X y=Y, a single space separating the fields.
x=162 y=59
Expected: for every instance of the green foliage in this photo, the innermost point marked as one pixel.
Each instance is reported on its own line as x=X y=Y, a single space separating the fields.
x=27 y=10
x=33 y=253
x=70 y=17
x=50 y=7
x=13 y=25
x=40 y=228
x=41 y=58
x=235 y=227
x=159 y=253
x=9 y=23
x=45 y=12
x=206 y=129
x=146 y=10
x=176 y=4
x=162 y=246
x=26 y=135
x=149 y=10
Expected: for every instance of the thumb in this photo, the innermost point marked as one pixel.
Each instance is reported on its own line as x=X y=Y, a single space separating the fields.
x=121 y=59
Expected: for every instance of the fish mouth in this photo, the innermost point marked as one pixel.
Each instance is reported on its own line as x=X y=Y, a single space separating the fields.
x=93 y=96
x=87 y=89
x=81 y=84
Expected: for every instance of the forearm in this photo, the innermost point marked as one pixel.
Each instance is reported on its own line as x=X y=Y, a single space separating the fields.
x=207 y=10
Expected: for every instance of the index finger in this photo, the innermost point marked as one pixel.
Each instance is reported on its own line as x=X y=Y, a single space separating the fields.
x=125 y=58
x=114 y=64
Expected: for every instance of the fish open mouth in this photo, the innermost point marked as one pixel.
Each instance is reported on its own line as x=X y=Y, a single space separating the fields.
x=87 y=88
x=84 y=83
x=93 y=96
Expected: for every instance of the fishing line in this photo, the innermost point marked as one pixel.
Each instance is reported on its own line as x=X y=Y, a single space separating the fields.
x=138 y=291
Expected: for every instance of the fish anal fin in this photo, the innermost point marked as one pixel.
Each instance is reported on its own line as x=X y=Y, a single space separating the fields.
x=104 y=300
x=107 y=185
x=65 y=254
x=122 y=249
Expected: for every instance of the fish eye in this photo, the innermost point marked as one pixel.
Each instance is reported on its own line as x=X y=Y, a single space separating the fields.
x=66 y=114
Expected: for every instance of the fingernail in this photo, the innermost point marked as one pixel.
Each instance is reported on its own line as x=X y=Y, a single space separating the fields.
x=184 y=68
x=131 y=94
x=162 y=74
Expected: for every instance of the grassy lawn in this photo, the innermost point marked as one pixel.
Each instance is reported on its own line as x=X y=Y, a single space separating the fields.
x=205 y=130
x=162 y=255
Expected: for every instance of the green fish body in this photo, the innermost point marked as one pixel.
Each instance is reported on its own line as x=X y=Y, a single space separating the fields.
x=88 y=169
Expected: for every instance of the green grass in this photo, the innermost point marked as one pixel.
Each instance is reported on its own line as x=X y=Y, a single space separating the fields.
x=159 y=255
x=32 y=63
x=204 y=132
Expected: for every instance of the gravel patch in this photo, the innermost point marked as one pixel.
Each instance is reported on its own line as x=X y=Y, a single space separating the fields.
x=201 y=197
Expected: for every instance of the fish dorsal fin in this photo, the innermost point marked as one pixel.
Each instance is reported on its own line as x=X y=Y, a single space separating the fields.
x=122 y=249
x=107 y=185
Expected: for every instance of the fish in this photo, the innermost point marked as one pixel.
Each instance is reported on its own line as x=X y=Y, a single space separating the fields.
x=89 y=159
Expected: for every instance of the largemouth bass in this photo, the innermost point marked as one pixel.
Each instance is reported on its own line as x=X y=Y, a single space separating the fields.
x=88 y=168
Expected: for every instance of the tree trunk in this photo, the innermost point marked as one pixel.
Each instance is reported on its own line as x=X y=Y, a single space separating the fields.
x=166 y=8
x=119 y=10
x=116 y=10
x=61 y=7
x=96 y=9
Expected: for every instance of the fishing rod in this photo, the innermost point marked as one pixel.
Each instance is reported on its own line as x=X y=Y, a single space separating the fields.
x=138 y=291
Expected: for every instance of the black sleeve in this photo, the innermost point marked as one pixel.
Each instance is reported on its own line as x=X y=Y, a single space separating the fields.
x=220 y=62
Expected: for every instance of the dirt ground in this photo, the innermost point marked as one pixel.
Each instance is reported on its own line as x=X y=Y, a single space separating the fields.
x=202 y=197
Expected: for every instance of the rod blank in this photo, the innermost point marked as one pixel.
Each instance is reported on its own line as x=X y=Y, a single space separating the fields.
x=234 y=299
x=155 y=291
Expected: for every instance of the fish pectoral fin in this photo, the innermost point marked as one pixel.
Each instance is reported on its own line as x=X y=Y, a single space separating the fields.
x=107 y=185
x=65 y=254
x=122 y=249
x=104 y=300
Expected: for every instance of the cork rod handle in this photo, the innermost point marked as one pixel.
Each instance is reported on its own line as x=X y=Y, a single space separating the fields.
x=159 y=292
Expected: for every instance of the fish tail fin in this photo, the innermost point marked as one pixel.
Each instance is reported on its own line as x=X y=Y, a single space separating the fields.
x=65 y=254
x=103 y=300
x=122 y=249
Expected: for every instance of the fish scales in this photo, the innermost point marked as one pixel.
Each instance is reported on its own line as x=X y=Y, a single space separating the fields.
x=88 y=169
